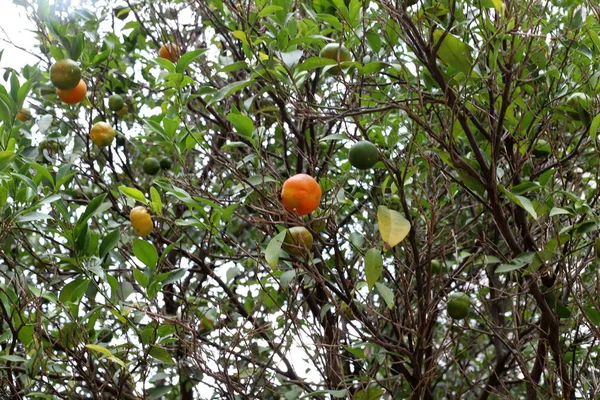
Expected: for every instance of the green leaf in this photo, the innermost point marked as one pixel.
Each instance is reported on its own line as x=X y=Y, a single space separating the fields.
x=73 y=291
x=242 y=124
x=92 y=208
x=274 y=248
x=160 y=354
x=373 y=266
x=338 y=394
x=521 y=201
x=386 y=293
x=99 y=349
x=188 y=58
x=314 y=63
x=12 y=358
x=156 y=202
x=370 y=393
x=34 y=216
x=133 y=194
x=518 y=262
x=454 y=52
x=109 y=242
x=594 y=126
x=393 y=227
x=229 y=90
x=593 y=314
x=145 y=252
x=140 y=278
x=268 y=10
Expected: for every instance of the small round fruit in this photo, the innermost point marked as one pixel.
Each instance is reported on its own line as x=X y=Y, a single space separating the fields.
x=115 y=102
x=73 y=96
x=151 y=166
x=65 y=74
x=102 y=134
x=336 y=52
x=105 y=335
x=458 y=305
x=141 y=221
x=166 y=163
x=363 y=155
x=298 y=240
x=169 y=51
x=24 y=115
x=123 y=111
x=301 y=194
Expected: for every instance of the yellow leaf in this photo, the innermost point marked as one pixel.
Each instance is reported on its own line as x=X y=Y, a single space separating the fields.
x=240 y=35
x=99 y=349
x=393 y=227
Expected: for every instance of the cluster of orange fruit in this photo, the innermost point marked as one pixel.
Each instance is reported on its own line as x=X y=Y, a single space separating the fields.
x=66 y=77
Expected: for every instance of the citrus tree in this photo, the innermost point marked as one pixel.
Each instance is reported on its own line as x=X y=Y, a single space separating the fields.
x=366 y=199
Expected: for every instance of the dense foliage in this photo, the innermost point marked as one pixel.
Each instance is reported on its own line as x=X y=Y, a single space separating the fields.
x=485 y=116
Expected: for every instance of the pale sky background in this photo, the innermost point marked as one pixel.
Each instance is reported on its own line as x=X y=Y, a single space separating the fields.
x=15 y=28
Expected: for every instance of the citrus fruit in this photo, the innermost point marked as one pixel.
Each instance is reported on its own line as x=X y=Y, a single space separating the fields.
x=166 y=163
x=301 y=194
x=115 y=102
x=105 y=335
x=458 y=305
x=298 y=240
x=75 y=95
x=363 y=155
x=141 y=221
x=65 y=74
x=579 y=102
x=151 y=166
x=24 y=115
x=123 y=111
x=102 y=134
x=169 y=51
x=336 y=52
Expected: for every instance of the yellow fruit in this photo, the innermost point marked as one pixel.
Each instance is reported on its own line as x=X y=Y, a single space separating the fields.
x=102 y=134
x=75 y=95
x=141 y=221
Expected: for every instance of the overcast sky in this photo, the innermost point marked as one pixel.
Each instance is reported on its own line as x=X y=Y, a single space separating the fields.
x=15 y=28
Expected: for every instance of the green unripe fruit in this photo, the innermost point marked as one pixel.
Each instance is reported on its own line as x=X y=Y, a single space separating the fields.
x=65 y=74
x=151 y=166
x=115 y=102
x=363 y=155
x=298 y=240
x=335 y=52
x=459 y=305
x=166 y=163
x=105 y=335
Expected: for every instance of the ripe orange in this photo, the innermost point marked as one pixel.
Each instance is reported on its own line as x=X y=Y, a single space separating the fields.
x=298 y=240
x=24 y=115
x=169 y=51
x=75 y=95
x=65 y=74
x=141 y=221
x=102 y=134
x=301 y=194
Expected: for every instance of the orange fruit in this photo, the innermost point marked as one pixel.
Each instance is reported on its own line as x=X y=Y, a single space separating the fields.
x=102 y=134
x=75 y=95
x=24 y=115
x=65 y=74
x=298 y=240
x=169 y=51
x=301 y=194
x=141 y=221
